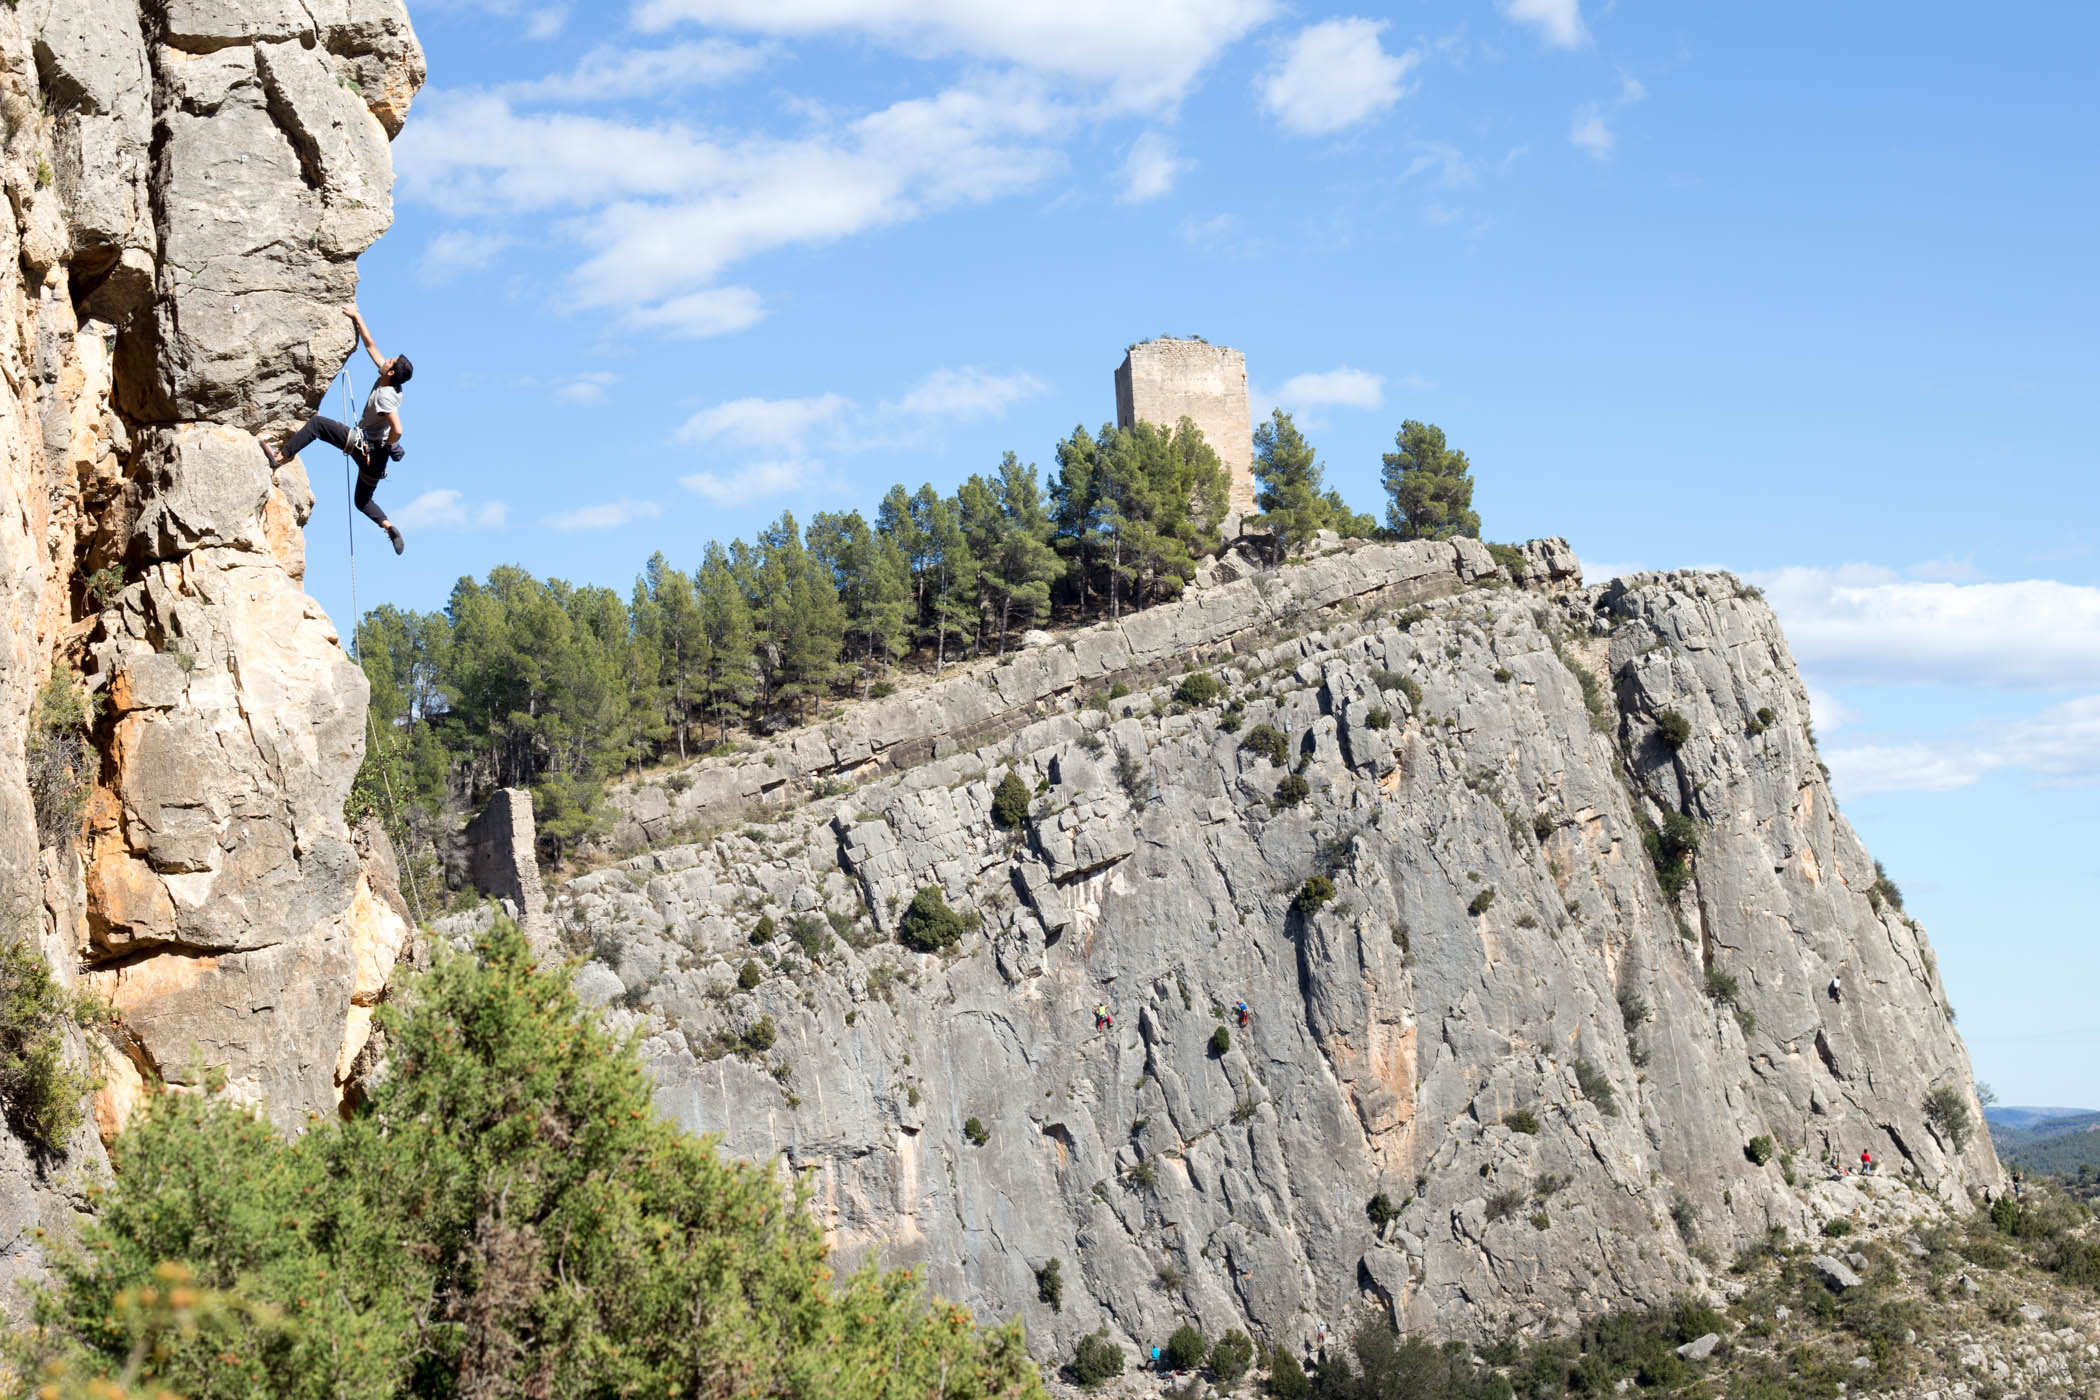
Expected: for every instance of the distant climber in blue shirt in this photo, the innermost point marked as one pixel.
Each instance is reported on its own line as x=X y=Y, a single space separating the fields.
x=375 y=441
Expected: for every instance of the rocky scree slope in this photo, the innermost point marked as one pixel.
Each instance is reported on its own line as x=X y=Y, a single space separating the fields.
x=1555 y=1073
x=189 y=184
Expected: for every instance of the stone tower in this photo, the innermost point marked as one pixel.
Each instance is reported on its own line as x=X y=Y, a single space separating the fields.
x=1162 y=381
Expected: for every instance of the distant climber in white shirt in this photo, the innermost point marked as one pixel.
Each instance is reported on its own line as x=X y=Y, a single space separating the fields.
x=375 y=441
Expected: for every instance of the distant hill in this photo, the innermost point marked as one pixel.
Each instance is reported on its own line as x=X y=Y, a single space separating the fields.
x=2047 y=1141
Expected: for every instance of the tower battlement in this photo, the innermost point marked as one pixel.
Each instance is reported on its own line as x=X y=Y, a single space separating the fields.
x=1162 y=381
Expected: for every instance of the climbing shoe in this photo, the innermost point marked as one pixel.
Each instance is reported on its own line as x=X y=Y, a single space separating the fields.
x=395 y=535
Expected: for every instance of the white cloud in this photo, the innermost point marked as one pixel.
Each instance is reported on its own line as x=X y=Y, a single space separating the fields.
x=967 y=394
x=1947 y=569
x=753 y=482
x=1865 y=624
x=546 y=23
x=1590 y=132
x=2060 y=746
x=1333 y=75
x=609 y=74
x=1830 y=713
x=1450 y=163
x=1213 y=232
x=587 y=388
x=1141 y=57
x=1559 y=22
x=456 y=252
x=1150 y=169
x=776 y=424
x=697 y=315
x=609 y=515
x=448 y=510
x=1343 y=387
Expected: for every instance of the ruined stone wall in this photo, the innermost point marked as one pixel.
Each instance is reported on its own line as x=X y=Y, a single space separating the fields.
x=188 y=186
x=1162 y=381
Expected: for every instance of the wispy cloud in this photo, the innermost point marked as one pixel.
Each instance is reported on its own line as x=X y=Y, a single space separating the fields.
x=2059 y=746
x=449 y=510
x=609 y=515
x=1450 y=163
x=756 y=481
x=1150 y=168
x=1334 y=75
x=967 y=394
x=546 y=23
x=1343 y=387
x=609 y=74
x=1865 y=624
x=1590 y=130
x=587 y=388
x=775 y=424
x=1558 y=22
x=456 y=253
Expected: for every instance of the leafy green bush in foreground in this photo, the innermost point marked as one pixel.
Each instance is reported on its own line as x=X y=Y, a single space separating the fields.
x=508 y=1215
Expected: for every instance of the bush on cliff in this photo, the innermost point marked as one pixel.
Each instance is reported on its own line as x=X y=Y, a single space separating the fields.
x=507 y=1215
x=929 y=925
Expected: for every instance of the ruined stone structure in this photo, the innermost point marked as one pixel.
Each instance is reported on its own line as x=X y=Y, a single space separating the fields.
x=501 y=862
x=1162 y=381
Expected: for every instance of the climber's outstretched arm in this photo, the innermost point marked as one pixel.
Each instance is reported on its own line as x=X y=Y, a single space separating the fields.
x=364 y=337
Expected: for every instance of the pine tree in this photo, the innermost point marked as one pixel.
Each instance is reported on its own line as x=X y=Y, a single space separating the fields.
x=667 y=623
x=724 y=666
x=1024 y=566
x=951 y=578
x=800 y=626
x=1431 y=486
x=869 y=572
x=1290 y=482
x=1077 y=509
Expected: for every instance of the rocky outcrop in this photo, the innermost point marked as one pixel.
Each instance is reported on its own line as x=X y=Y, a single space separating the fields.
x=502 y=864
x=1229 y=609
x=189 y=187
x=1478 y=991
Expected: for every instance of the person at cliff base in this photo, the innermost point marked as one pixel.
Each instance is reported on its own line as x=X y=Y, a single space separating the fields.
x=1866 y=1162
x=373 y=441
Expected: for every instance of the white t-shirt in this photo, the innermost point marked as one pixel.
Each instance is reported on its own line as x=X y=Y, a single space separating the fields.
x=378 y=404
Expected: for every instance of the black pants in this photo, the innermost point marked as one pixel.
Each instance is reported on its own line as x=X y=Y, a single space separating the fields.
x=370 y=471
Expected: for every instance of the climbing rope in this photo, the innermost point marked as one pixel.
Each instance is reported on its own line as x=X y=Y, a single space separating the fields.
x=357 y=618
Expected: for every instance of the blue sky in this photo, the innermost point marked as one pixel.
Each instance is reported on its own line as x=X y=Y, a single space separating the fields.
x=1802 y=291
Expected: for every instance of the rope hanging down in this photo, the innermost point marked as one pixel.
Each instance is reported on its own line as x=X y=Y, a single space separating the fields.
x=357 y=617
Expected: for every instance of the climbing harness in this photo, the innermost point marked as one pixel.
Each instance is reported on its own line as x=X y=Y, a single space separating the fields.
x=357 y=618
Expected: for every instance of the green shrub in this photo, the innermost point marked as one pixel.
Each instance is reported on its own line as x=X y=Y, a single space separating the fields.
x=750 y=975
x=1837 y=1229
x=506 y=1215
x=1723 y=987
x=1315 y=892
x=103 y=585
x=811 y=934
x=1050 y=1285
x=762 y=932
x=1481 y=901
x=1668 y=848
x=1765 y=717
x=1010 y=802
x=1412 y=689
x=1231 y=1356
x=1883 y=890
x=1541 y=826
x=1291 y=791
x=882 y=690
x=1504 y=675
x=1378 y=719
x=61 y=761
x=1186 y=1348
x=929 y=925
x=1512 y=558
x=1673 y=729
x=1144 y=1173
x=1267 y=741
x=1948 y=1112
x=1760 y=1149
x=40 y=1091
x=1684 y=1215
x=760 y=1036
x=1118 y=691
x=973 y=1128
x=1504 y=1204
x=1097 y=1359
x=1286 y=1377
x=1522 y=1121
x=1197 y=688
x=1596 y=1087
x=1382 y=1210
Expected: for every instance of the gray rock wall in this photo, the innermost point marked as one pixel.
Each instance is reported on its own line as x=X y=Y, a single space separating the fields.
x=1497 y=944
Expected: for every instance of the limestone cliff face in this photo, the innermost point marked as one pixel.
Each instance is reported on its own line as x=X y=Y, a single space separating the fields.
x=1497 y=944
x=189 y=185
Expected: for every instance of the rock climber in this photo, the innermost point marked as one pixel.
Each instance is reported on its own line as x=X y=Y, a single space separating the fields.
x=1239 y=1009
x=1102 y=1020
x=374 y=441
x=1837 y=990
